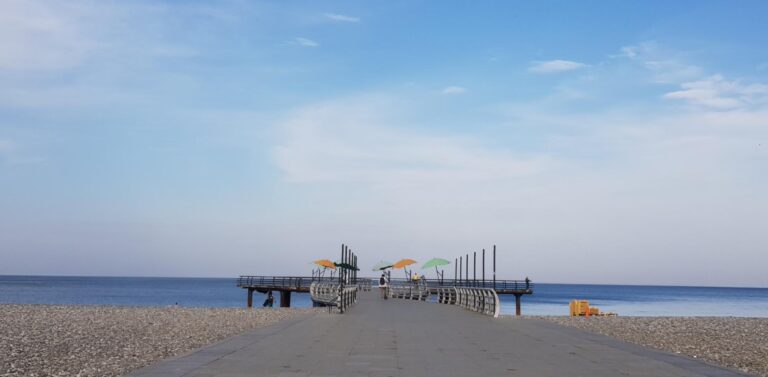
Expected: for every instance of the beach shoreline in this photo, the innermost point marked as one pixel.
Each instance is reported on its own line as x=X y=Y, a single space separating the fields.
x=111 y=341
x=735 y=342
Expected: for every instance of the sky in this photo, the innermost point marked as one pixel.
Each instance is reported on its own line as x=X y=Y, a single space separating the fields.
x=591 y=142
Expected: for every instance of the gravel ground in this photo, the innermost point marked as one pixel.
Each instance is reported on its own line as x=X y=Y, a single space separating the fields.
x=54 y=340
x=740 y=343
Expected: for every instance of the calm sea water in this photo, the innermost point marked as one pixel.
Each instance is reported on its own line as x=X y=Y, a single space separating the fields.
x=548 y=299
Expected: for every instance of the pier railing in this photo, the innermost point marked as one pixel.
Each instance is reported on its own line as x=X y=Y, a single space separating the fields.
x=446 y=295
x=302 y=283
x=481 y=300
x=333 y=295
x=298 y=283
x=501 y=286
x=364 y=284
x=408 y=291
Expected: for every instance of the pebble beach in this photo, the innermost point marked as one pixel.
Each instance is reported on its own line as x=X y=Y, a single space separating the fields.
x=740 y=343
x=59 y=340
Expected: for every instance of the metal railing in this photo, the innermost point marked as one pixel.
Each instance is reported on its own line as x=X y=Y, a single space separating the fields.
x=333 y=295
x=296 y=282
x=281 y=282
x=303 y=283
x=408 y=291
x=364 y=284
x=446 y=296
x=481 y=300
x=499 y=285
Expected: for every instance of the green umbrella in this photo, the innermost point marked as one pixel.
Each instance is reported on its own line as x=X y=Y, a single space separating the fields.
x=382 y=266
x=347 y=266
x=434 y=262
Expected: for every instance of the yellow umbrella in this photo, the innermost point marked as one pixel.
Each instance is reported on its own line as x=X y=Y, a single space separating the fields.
x=325 y=263
x=403 y=262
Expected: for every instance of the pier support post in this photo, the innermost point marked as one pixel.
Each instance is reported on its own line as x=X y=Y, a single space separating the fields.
x=517 y=304
x=285 y=299
x=250 y=297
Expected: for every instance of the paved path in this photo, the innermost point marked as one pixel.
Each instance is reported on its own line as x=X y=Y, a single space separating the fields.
x=405 y=338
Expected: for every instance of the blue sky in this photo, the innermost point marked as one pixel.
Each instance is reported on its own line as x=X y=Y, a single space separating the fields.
x=593 y=142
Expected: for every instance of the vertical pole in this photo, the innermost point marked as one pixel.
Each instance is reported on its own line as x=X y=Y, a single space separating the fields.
x=461 y=268
x=342 y=261
x=483 y=268
x=345 y=260
x=517 y=304
x=494 y=266
x=466 y=268
x=455 y=269
x=474 y=268
x=250 y=298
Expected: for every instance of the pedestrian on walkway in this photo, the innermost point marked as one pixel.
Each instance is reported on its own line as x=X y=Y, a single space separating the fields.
x=383 y=285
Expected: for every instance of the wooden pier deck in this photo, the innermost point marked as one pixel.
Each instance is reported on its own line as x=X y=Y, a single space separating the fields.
x=393 y=337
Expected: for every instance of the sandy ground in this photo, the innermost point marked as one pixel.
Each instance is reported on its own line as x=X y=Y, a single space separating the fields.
x=740 y=343
x=48 y=340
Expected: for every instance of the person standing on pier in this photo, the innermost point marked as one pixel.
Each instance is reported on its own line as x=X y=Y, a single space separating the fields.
x=383 y=285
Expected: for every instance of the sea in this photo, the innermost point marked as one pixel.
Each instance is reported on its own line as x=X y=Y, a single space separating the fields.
x=548 y=299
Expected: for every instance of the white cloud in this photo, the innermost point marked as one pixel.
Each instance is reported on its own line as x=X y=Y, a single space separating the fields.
x=47 y=35
x=667 y=67
x=37 y=35
x=352 y=140
x=341 y=18
x=305 y=42
x=617 y=187
x=454 y=90
x=555 y=66
x=718 y=93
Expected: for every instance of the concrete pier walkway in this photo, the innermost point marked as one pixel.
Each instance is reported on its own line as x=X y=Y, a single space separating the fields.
x=408 y=338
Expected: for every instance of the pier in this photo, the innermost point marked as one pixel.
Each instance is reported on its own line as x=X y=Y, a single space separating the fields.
x=378 y=337
x=348 y=276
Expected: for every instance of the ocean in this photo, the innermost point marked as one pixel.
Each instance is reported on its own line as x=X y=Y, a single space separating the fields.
x=548 y=299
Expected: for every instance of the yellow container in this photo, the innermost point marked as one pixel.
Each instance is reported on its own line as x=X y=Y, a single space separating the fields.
x=579 y=308
x=594 y=311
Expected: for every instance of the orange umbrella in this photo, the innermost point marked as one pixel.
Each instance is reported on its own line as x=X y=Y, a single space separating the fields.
x=325 y=263
x=403 y=262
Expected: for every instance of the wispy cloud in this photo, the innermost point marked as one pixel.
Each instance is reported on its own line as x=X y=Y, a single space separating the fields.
x=340 y=17
x=454 y=90
x=718 y=93
x=305 y=42
x=42 y=36
x=555 y=66
x=409 y=178
x=667 y=67
x=332 y=143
